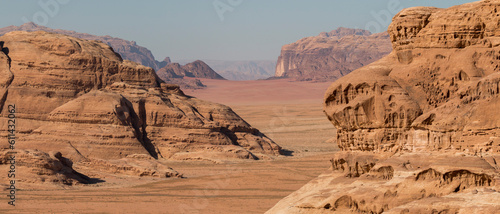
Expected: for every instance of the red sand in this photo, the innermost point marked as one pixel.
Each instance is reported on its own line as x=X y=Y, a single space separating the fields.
x=260 y=92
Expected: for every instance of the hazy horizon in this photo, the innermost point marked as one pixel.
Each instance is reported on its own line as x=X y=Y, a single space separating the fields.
x=228 y=30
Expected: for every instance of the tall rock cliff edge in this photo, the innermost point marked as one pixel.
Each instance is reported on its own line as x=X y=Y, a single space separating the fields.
x=329 y=56
x=419 y=129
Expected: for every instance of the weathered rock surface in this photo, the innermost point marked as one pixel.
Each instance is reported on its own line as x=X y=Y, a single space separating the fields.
x=423 y=182
x=176 y=74
x=80 y=98
x=128 y=50
x=33 y=166
x=418 y=129
x=434 y=91
x=329 y=56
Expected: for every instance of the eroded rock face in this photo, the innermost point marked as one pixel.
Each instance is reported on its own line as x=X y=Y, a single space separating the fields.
x=423 y=182
x=329 y=56
x=419 y=128
x=79 y=97
x=437 y=89
x=128 y=50
x=33 y=166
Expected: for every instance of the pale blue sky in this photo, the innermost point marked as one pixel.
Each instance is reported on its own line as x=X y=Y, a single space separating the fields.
x=193 y=29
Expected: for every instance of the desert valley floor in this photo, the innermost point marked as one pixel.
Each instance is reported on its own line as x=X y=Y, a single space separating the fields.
x=285 y=111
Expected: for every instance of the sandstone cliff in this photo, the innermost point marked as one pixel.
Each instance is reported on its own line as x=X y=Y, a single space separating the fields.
x=80 y=98
x=128 y=50
x=418 y=129
x=329 y=56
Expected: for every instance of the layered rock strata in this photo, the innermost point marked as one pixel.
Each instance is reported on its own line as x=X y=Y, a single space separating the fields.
x=80 y=98
x=418 y=129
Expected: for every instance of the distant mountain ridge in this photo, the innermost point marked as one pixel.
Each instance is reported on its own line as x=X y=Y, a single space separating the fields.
x=128 y=50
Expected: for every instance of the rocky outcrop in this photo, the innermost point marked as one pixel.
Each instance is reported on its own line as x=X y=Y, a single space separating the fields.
x=128 y=50
x=176 y=73
x=426 y=182
x=196 y=69
x=32 y=166
x=418 y=129
x=434 y=91
x=200 y=69
x=329 y=56
x=80 y=98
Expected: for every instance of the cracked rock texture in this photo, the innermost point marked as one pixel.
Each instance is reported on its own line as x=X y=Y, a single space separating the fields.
x=418 y=129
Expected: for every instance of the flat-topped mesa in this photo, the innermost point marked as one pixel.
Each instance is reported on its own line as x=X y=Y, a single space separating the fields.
x=79 y=97
x=331 y=55
x=436 y=90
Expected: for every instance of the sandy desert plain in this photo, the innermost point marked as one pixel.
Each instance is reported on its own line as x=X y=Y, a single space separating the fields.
x=283 y=110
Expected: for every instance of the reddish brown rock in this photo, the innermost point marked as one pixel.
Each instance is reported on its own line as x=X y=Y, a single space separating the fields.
x=79 y=97
x=174 y=73
x=419 y=128
x=329 y=56
x=128 y=50
x=200 y=69
x=33 y=166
